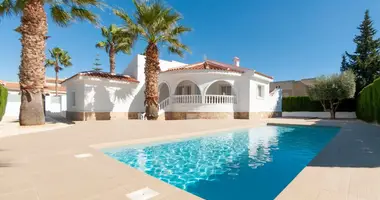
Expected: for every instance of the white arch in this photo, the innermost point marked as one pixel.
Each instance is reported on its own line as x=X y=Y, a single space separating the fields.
x=184 y=80
x=160 y=86
x=234 y=92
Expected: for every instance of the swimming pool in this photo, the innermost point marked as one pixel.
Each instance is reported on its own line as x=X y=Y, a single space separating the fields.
x=254 y=163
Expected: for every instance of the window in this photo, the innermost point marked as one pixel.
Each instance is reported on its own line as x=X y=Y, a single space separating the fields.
x=73 y=99
x=226 y=90
x=260 y=91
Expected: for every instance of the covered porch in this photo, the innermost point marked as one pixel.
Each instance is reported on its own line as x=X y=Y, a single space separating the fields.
x=188 y=92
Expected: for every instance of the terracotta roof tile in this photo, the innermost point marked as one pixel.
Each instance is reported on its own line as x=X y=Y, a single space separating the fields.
x=207 y=65
x=15 y=86
x=106 y=75
x=214 y=65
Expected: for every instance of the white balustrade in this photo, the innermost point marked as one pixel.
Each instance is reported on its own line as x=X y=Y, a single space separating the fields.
x=220 y=99
x=187 y=99
x=163 y=104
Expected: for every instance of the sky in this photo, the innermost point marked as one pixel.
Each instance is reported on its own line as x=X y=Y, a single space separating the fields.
x=288 y=40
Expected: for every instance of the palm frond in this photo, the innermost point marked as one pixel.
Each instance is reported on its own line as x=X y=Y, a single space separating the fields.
x=60 y=16
x=49 y=63
x=156 y=23
x=8 y=7
x=176 y=50
x=83 y=14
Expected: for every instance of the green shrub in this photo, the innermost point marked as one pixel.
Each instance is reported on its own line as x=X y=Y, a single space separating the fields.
x=305 y=104
x=368 y=105
x=3 y=100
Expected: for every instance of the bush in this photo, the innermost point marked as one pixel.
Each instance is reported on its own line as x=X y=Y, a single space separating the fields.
x=368 y=105
x=3 y=100
x=305 y=104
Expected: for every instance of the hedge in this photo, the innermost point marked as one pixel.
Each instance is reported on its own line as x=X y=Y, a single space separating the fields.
x=368 y=106
x=305 y=104
x=3 y=100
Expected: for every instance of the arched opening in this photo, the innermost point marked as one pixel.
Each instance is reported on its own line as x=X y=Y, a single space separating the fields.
x=164 y=92
x=220 y=92
x=187 y=88
x=187 y=92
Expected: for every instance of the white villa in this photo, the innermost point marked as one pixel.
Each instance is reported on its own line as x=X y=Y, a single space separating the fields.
x=204 y=90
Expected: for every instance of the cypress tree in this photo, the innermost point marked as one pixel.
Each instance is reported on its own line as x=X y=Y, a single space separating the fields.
x=97 y=64
x=365 y=61
x=344 y=64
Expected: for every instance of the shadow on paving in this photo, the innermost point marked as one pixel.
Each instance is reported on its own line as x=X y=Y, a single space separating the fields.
x=356 y=145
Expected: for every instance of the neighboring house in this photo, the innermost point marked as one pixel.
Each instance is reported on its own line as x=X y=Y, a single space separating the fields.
x=204 y=90
x=52 y=103
x=292 y=87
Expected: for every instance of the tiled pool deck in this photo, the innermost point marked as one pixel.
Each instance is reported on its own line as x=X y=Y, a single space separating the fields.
x=66 y=164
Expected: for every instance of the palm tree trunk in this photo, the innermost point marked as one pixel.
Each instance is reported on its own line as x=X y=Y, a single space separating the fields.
x=112 y=60
x=56 y=81
x=152 y=69
x=32 y=71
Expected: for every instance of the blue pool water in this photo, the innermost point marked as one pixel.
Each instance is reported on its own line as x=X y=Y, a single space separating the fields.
x=257 y=163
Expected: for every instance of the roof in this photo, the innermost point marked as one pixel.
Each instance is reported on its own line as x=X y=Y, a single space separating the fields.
x=214 y=65
x=106 y=75
x=15 y=86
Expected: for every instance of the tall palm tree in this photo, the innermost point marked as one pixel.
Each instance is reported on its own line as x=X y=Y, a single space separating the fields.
x=115 y=41
x=59 y=58
x=156 y=24
x=33 y=31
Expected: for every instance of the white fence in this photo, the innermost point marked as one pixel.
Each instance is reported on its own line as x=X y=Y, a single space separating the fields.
x=53 y=104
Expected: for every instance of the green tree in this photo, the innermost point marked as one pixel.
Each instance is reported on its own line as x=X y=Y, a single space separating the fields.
x=365 y=61
x=331 y=90
x=115 y=41
x=33 y=30
x=59 y=59
x=97 y=64
x=156 y=24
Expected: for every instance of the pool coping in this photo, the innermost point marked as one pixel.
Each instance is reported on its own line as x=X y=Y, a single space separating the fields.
x=61 y=164
x=176 y=138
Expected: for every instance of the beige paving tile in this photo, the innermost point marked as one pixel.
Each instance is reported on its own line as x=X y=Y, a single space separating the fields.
x=21 y=195
x=347 y=168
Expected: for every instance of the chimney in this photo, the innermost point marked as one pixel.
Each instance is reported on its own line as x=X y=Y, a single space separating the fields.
x=237 y=61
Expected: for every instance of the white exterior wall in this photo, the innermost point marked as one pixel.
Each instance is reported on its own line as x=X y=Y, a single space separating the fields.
x=13 y=104
x=103 y=95
x=56 y=104
x=268 y=103
x=136 y=67
x=77 y=86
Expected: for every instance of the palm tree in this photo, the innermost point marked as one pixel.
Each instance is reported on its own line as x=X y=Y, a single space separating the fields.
x=33 y=31
x=115 y=41
x=156 y=24
x=58 y=58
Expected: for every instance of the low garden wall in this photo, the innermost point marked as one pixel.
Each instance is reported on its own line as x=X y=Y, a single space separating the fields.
x=304 y=107
x=322 y=115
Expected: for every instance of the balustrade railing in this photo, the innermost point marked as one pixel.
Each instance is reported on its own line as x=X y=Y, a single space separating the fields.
x=187 y=99
x=163 y=104
x=220 y=99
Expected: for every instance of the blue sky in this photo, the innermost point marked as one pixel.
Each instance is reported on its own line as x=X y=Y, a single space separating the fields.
x=290 y=39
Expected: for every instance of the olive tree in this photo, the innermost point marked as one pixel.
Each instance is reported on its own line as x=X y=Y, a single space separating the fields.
x=331 y=90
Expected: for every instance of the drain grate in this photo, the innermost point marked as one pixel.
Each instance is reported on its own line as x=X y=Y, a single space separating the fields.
x=142 y=194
